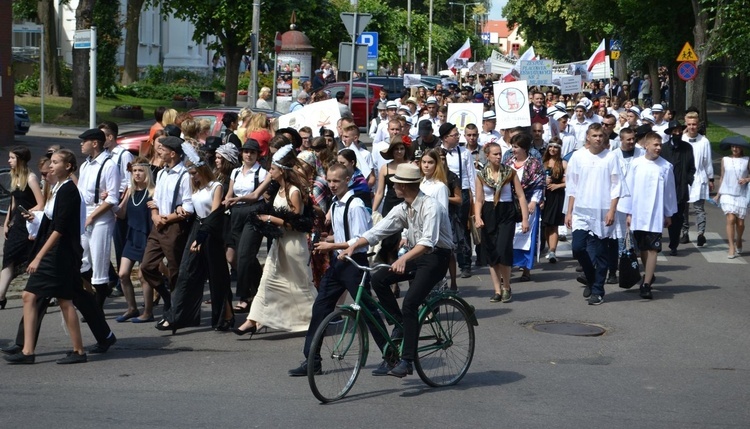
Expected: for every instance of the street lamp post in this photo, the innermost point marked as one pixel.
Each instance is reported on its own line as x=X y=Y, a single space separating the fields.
x=464 y=6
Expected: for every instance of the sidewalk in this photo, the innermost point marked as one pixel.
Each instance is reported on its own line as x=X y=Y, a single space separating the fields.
x=731 y=117
x=50 y=130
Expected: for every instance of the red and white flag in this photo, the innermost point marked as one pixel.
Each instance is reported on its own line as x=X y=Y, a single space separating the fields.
x=598 y=57
x=460 y=59
x=515 y=72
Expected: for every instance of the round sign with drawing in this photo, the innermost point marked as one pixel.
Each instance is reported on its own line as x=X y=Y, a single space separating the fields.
x=511 y=100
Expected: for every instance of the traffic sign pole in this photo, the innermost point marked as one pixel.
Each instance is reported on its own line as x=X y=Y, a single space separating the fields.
x=92 y=80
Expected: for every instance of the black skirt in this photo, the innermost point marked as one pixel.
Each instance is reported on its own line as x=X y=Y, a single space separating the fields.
x=552 y=214
x=497 y=233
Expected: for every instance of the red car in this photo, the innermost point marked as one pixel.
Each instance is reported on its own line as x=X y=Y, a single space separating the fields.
x=133 y=140
x=360 y=97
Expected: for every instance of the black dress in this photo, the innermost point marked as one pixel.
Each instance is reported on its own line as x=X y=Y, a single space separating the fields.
x=59 y=272
x=17 y=245
x=553 y=215
x=139 y=226
x=498 y=232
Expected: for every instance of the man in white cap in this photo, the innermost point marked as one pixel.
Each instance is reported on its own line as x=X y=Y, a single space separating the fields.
x=660 y=125
x=634 y=117
x=431 y=115
x=590 y=114
x=381 y=116
x=580 y=122
x=391 y=108
x=489 y=134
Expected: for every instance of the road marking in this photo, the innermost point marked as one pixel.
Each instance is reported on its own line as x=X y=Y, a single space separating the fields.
x=564 y=250
x=716 y=250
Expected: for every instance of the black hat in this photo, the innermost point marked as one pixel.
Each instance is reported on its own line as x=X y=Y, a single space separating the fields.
x=738 y=141
x=641 y=131
x=251 y=144
x=93 y=134
x=212 y=143
x=172 y=143
x=296 y=138
x=425 y=127
x=672 y=125
x=172 y=130
x=445 y=129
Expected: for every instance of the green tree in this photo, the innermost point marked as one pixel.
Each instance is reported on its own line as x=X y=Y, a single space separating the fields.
x=132 y=21
x=79 y=107
x=108 y=39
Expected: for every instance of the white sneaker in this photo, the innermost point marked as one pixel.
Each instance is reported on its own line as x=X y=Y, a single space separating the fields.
x=551 y=257
x=738 y=251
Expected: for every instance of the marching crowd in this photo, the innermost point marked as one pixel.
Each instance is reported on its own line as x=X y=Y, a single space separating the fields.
x=430 y=199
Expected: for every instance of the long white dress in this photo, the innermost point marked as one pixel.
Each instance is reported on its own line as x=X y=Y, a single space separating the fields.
x=286 y=292
x=733 y=197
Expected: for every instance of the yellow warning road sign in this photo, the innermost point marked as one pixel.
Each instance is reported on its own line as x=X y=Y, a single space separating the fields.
x=687 y=53
x=615 y=55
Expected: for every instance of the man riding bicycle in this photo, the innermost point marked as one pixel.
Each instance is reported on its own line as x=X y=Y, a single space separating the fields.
x=430 y=242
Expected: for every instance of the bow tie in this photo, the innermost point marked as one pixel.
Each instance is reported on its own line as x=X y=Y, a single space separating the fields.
x=692 y=140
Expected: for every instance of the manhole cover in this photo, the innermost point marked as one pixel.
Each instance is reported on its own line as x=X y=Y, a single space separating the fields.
x=575 y=329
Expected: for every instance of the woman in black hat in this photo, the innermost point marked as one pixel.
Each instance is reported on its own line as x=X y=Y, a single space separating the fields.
x=733 y=193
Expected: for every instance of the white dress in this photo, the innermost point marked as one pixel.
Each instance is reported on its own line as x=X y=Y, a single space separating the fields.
x=286 y=293
x=734 y=197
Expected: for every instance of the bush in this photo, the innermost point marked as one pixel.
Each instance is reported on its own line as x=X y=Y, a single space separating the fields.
x=29 y=85
x=158 y=92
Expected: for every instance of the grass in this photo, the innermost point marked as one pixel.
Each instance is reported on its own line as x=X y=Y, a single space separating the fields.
x=717 y=133
x=54 y=107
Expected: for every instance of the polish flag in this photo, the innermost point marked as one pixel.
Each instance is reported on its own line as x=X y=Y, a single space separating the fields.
x=463 y=53
x=598 y=57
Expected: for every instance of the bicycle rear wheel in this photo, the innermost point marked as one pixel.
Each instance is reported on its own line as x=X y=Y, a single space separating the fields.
x=446 y=344
x=340 y=341
x=5 y=190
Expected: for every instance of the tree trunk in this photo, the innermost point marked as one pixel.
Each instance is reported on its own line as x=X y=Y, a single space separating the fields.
x=130 y=73
x=233 y=56
x=653 y=71
x=678 y=89
x=51 y=66
x=81 y=70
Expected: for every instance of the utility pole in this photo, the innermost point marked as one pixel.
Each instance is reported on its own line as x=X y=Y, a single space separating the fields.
x=429 y=45
x=256 y=56
x=464 y=6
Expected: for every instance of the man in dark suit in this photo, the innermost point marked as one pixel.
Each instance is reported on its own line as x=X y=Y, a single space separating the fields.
x=680 y=154
x=537 y=109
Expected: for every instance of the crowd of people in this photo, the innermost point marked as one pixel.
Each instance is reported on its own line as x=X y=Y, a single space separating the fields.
x=429 y=198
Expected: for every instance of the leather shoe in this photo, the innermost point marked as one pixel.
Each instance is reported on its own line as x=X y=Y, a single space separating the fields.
x=685 y=238
x=382 y=369
x=73 y=358
x=20 y=359
x=301 y=371
x=103 y=347
x=401 y=370
x=397 y=333
x=673 y=252
x=12 y=350
x=701 y=240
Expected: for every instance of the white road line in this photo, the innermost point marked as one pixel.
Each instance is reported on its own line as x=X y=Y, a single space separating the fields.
x=716 y=250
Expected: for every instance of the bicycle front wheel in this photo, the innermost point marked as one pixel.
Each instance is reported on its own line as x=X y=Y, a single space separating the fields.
x=337 y=354
x=5 y=190
x=446 y=344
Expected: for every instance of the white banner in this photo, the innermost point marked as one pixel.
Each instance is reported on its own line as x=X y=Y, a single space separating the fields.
x=570 y=84
x=463 y=114
x=321 y=114
x=512 y=105
x=412 y=80
x=537 y=73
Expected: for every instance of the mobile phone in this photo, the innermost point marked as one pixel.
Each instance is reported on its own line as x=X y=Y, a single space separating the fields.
x=23 y=209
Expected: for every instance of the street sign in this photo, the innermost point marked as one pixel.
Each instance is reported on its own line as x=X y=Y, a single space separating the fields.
x=687 y=71
x=370 y=38
x=27 y=28
x=277 y=43
x=355 y=28
x=615 y=45
x=82 y=39
x=486 y=38
x=687 y=53
x=615 y=55
x=345 y=57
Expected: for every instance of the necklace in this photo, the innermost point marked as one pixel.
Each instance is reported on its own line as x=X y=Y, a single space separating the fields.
x=737 y=169
x=132 y=197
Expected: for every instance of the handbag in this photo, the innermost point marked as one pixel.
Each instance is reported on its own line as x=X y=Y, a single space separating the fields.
x=475 y=235
x=518 y=215
x=630 y=270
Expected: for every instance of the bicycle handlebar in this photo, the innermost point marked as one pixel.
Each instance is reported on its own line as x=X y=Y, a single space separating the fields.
x=365 y=267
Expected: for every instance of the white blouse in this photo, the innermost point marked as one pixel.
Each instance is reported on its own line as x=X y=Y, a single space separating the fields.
x=203 y=200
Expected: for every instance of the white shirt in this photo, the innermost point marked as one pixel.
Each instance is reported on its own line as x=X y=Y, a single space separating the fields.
x=377 y=158
x=463 y=167
x=489 y=137
x=359 y=220
x=624 y=164
x=166 y=181
x=244 y=184
x=653 y=194
x=437 y=190
x=263 y=104
x=594 y=181
x=580 y=129
x=364 y=159
x=203 y=200
x=704 y=167
x=108 y=183
x=122 y=158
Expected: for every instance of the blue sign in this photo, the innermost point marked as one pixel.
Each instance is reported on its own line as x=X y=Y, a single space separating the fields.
x=486 y=38
x=370 y=38
x=687 y=71
x=615 y=45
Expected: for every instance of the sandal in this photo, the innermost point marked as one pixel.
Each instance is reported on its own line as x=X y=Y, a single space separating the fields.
x=525 y=278
x=240 y=308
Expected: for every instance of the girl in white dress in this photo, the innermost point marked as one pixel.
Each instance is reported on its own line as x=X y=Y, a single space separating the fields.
x=732 y=197
x=435 y=179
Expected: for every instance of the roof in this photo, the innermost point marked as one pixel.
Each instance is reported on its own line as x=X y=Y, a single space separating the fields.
x=499 y=27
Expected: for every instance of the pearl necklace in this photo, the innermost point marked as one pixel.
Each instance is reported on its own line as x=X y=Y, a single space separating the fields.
x=132 y=197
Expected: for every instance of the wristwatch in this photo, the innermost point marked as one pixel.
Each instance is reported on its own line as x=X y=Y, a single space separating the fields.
x=268 y=219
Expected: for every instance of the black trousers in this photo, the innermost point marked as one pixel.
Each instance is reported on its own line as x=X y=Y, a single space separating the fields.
x=247 y=241
x=425 y=272
x=340 y=276
x=675 y=228
x=463 y=257
x=85 y=303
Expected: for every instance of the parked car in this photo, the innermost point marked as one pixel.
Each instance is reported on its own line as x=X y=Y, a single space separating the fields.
x=133 y=140
x=361 y=96
x=22 y=120
x=394 y=85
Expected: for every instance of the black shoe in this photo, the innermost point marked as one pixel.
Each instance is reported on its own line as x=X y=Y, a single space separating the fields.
x=496 y=298
x=20 y=359
x=403 y=369
x=612 y=279
x=3 y=303
x=12 y=350
x=251 y=330
x=103 y=347
x=586 y=291
x=579 y=268
x=226 y=325
x=164 y=325
x=701 y=240
x=383 y=369
x=466 y=273
x=596 y=300
x=397 y=333
x=116 y=293
x=673 y=252
x=582 y=280
x=685 y=238
x=646 y=291
x=301 y=371
x=71 y=358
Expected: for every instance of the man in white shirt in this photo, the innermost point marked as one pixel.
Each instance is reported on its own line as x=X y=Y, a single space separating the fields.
x=381 y=134
x=99 y=184
x=171 y=212
x=489 y=134
x=394 y=129
x=461 y=162
x=703 y=183
x=593 y=187
x=580 y=123
x=350 y=139
x=349 y=220
x=381 y=117
x=660 y=125
x=432 y=114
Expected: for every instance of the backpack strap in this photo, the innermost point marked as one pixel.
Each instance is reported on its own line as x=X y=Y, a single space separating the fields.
x=98 y=179
x=177 y=191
